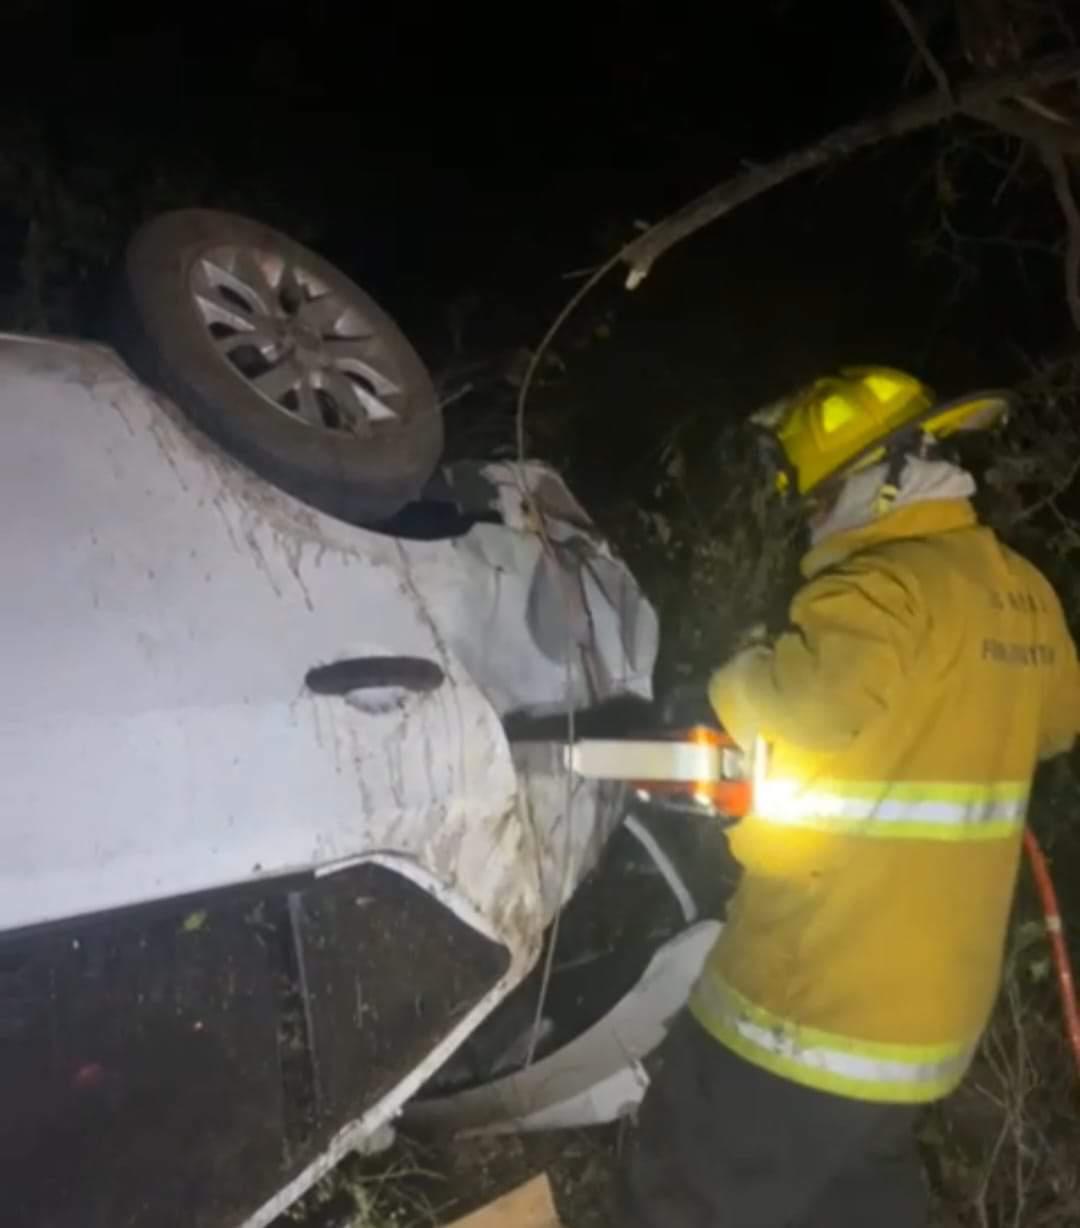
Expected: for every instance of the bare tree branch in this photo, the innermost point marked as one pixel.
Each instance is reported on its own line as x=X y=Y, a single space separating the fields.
x=971 y=98
x=1039 y=107
x=1063 y=190
x=1029 y=126
x=933 y=64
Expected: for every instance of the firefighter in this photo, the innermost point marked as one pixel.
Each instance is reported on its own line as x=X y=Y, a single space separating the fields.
x=895 y=726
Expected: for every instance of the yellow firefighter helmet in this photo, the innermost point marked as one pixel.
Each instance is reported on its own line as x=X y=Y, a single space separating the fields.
x=845 y=422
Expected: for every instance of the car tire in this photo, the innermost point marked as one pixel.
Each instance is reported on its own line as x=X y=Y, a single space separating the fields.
x=221 y=313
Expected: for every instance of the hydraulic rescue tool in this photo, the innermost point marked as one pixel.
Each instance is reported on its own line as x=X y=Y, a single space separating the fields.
x=701 y=770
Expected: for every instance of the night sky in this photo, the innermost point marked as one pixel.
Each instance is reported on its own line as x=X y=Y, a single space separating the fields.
x=440 y=155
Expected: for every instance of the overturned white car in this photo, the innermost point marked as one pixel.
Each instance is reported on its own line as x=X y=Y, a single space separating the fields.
x=284 y=817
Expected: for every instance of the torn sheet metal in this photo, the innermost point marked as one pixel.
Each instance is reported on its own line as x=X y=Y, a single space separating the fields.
x=583 y=630
x=599 y=1076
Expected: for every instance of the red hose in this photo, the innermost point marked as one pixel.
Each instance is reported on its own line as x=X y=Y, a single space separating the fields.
x=1054 y=929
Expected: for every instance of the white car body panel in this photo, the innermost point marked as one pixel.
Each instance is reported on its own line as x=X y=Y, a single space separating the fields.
x=161 y=608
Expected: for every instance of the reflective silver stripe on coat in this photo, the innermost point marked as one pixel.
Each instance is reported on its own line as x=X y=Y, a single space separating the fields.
x=941 y=810
x=832 y=1063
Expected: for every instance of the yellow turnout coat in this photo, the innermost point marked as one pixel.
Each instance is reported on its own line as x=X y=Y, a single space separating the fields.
x=926 y=670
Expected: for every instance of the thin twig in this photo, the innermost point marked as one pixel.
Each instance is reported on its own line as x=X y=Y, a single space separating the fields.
x=1029 y=127
x=1063 y=190
x=579 y=295
x=1048 y=500
x=918 y=38
x=1010 y=175
x=537 y=515
x=1023 y=1087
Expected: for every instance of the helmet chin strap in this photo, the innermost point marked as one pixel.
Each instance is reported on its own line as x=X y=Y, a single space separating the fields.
x=913 y=442
x=918 y=474
x=774 y=455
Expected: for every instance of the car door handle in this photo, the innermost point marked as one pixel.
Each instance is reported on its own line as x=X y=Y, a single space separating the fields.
x=416 y=674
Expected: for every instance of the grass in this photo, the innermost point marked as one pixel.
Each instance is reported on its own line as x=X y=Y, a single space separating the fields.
x=394 y=1190
x=421 y=1184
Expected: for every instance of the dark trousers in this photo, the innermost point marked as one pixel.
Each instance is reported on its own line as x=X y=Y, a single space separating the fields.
x=720 y=1143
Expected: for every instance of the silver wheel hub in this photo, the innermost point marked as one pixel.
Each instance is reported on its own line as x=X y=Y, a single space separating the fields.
x=306 y=349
